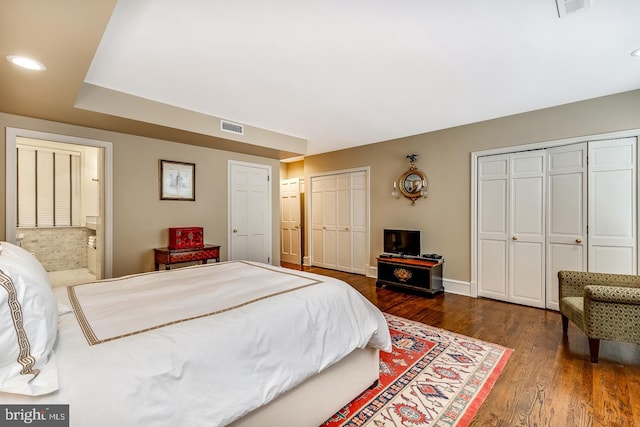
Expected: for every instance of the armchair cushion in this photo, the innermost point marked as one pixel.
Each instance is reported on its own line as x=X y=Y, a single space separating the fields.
x=573 y=308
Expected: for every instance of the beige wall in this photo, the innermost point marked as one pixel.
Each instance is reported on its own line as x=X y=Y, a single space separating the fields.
x=296 y=169
x=140 y=219
x=445 y=157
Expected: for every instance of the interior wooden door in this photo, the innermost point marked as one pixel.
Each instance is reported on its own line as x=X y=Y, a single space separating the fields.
x=566 y=215
x=290 y=214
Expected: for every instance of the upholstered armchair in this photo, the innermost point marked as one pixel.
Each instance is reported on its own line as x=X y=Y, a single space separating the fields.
x=603 y=306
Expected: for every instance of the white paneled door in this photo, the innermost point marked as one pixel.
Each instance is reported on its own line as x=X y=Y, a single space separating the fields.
x=359 y=222
x=339 y=221
x=612 y=206
x=511 y=227
x=527 y=234
x=324 y=220
x=566 y=215
x=249 y=212
x=570 y=207
x=493 y=226
x=290 y=215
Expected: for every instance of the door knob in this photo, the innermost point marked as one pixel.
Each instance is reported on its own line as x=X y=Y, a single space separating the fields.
x=578 y=240
x=346 y=228
x=235 y=230
x=514 y=238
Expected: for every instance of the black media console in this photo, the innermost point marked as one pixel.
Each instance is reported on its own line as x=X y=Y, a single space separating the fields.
x=411 y=273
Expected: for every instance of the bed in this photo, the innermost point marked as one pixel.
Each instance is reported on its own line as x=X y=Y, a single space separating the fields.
x=233 y=343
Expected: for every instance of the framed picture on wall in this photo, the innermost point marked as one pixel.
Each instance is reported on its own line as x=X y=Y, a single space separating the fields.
x=177 y=180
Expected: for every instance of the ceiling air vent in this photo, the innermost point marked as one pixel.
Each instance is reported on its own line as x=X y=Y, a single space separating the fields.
x=566 y=7
x=231 y=127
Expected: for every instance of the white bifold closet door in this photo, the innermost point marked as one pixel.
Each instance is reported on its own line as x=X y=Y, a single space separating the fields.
x=339 y=221
x=612 y=206
x=566 y=215
x=548 y=210
x=511 y=227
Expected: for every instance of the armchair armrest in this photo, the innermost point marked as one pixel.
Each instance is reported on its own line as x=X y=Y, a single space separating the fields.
x=572 y=283
x=613 y=294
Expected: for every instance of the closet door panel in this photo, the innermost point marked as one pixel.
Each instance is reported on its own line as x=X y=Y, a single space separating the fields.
x=612 y=206
x=493 y=226
x=359 y=222
x=317 y=223
x=340 y=221
x=492 y=269
x=493 y=208
x=566 y=215
x=526 y=278
x=562 y=256
x=527 y=228
x=527 y=208
x=343 y=226
x=611 y=259
x=317 y=249
x=359 y=253
x=330 y=224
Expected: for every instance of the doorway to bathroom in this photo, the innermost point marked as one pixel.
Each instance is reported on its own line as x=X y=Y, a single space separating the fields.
x=57 y=209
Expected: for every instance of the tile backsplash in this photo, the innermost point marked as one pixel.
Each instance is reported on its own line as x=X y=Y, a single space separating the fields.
x=63 y=248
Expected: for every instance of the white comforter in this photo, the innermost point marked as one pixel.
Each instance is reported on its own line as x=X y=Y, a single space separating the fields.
x=201 y=345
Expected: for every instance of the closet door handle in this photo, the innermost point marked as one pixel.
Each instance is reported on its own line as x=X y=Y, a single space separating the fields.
x=578 y=240
x=514 y=238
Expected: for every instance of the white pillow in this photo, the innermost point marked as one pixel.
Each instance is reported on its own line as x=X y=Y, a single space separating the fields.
x=28 y=324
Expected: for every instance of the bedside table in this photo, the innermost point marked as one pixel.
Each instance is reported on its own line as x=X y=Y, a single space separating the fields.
x=169 y=257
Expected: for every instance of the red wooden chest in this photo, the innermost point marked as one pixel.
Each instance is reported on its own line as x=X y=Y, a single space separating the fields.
x=186 y=238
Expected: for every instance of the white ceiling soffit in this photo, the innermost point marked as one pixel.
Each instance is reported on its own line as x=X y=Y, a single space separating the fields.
x=341 y=74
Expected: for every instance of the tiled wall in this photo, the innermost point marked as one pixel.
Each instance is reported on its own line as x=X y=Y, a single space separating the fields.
x=57 y=249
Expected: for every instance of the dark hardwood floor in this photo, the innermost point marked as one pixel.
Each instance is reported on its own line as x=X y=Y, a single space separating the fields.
x=549 y=380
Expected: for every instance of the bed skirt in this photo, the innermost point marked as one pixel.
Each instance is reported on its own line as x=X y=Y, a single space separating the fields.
x=321 y=396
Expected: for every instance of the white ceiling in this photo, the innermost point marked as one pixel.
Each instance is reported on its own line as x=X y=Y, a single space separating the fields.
x=342 y=73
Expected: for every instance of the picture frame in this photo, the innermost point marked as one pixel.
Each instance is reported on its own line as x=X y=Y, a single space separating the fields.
x=177 y=180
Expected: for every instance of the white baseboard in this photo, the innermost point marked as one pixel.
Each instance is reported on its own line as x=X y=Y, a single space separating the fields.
x=456 y=287
x=371 y=271
x=450 y=286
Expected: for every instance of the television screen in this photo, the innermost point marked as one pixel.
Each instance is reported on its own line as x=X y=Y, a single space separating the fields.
x=403 y=242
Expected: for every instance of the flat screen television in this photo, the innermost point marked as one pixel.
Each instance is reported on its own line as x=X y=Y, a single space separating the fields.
x=402 y=242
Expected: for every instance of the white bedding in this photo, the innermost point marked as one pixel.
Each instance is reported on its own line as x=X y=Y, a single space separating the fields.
x=252 y=332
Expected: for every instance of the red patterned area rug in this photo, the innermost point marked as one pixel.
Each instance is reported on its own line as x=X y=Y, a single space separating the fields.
x=432 y=377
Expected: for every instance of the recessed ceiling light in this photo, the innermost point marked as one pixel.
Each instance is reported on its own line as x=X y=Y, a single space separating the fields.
x=24 y=62
x=636 y=52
